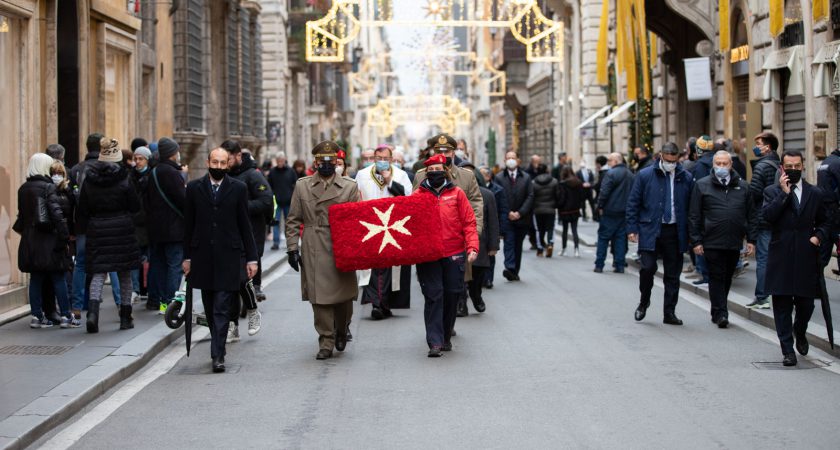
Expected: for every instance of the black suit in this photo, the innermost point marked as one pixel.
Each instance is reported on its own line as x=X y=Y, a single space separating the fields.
x=520 y=198
x=218 y=241
x=793 y=263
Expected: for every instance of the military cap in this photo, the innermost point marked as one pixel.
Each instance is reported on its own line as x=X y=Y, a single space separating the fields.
x=326 y=150
x=443 y=142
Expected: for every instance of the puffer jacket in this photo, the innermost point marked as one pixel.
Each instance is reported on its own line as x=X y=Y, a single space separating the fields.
x=108 y=202
x=260 y=199
x=458 y=230
x=765 y=173
x=140 y=184
x=720 y=217
x=546 y=194
x=41 y=249
x=571 y=198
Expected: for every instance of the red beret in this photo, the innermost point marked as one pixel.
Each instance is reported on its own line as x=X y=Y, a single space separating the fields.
x=436 y=159
x=341 y=155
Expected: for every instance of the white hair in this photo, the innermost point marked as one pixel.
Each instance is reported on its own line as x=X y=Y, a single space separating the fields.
x=280 y=155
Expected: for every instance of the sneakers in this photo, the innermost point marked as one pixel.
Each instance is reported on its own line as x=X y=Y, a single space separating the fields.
x=563 y=252
x=254 y=321
x=135 y=298
x=689 y=268
x=35 y=322
x=759 y=304
x=577 y=252
x=233 y=333
x=70 y=322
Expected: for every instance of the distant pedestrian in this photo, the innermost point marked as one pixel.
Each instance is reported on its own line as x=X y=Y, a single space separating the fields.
x=519 y=193
x=79 y=295
x=399 y=162
x=502 y=209
x=643 y=158
x=702 y=168
x=488 y=247
x=601 y=168
x=721 y=216
x=797 y=214
x=67 y=202
x=299 y=167
x=531 y=170
x=140 y=181
x=282 y=179
x=615 y=188
x=546 y=201
x=587 y=177
x=657 y=218
x=828 y=179
x=568 y=209
x=562 y=161
x=765 y=173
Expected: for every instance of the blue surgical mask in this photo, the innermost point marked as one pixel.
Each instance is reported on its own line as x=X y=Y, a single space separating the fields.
x=382 y=166
x=721 y=172
x=757 y=151
x=143 y=170
x=367 y=164
x=397 y=165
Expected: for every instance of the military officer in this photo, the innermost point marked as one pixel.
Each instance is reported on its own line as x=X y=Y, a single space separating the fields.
x=330 y=291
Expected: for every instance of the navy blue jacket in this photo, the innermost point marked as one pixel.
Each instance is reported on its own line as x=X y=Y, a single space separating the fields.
x=616 y=185
x=646 y=205
x=703 y=166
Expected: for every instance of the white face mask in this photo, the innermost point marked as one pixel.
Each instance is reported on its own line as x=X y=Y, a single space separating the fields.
x=57 y=179
x=668 y=166
x=460 y=154
x=511 y=164
x=339 y=170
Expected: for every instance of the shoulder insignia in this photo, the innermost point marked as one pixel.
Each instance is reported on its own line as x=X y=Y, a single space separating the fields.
x=261 y=188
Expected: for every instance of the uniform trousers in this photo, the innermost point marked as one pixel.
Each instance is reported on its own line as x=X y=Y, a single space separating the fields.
x=668 y=246
x=786 y=326
x=442 y=284
x=326 y=318
x=217 y=306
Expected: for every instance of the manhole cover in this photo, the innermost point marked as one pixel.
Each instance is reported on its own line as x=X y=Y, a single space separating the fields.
x=34 y=350
x=205 y=369
x=803 y=364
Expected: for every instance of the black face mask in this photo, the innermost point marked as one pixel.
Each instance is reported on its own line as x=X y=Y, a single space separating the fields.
x=448 y=161
x=217 y=174
x=326 y=169
x=436 y=178
x=793 y=175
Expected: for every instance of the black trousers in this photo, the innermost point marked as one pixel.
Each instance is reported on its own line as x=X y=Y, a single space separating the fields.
x=217 y=306
x=545 y=229
x=668 y=247
x=258 y=276
x=378 y=289
x=588 y=196
x=248 y=297
x=477 y=283
x=721 y=265
x=514 y=237
x=442 y=283
x=786 y=325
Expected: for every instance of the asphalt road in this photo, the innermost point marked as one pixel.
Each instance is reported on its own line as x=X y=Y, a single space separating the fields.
x=557 y=361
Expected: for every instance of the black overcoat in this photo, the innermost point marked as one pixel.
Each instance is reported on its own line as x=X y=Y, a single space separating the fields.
x=792 y=265
x=217 y=234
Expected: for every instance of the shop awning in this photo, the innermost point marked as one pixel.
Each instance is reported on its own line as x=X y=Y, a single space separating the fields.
x=592 y=118
x=789 y=58
x=617 y=112
x=827 y=54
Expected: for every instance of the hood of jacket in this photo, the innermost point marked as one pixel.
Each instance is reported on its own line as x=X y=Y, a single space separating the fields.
x=247 y=163
x=103 y=173
x=543 y=179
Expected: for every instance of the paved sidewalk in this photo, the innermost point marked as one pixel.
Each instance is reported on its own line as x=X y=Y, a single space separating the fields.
x=50 y=374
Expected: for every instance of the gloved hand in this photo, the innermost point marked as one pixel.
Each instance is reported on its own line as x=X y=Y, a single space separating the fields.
x=295 y=260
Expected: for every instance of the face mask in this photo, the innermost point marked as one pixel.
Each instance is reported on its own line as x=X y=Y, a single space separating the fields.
x=382 y=166
x=448 y=161
x=367 y=164
x=339 y=170
x=510 y=164
x=436 y=178
x=793 y=175
x=757 y=151
x=668 y=166
x=460 y=154
x=326 y=169
x=57 y=179
x=217 y=174
x=721 y=172
x=397 y=165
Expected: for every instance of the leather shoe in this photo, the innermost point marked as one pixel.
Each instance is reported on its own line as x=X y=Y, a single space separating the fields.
x=479 y=306
x=340 y=341
x=447 y=347
x=324 y=354
x=376 y=313
x=641 y=311
x=509 y=275
x=672 y=319
x=434 y=352
x=219 y=364
x=723 y=322
x=461 y=309
x=349 y=336
x=802 y=345
x=789 y=360
x=599 y=270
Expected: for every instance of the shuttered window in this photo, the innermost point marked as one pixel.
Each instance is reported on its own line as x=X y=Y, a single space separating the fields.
x=189 y=73
x=794 y=123
x=256 y=78
x=245 y=64
x=232 y=70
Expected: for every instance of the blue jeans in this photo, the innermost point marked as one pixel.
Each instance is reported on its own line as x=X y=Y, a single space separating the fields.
x=762 y=248
x=80 y=296
x=613 y=227
x=700 y=264
x=36 y=300
x=165 y=270
x=275 y=231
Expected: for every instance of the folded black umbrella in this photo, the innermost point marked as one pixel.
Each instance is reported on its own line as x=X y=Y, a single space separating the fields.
x=826 y=306
x=188 y=316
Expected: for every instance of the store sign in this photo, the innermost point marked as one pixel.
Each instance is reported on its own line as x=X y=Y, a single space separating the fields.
x=739 y=54
x=698 y=79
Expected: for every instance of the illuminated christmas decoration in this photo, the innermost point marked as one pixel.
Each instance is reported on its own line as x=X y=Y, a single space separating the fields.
x=443 y=111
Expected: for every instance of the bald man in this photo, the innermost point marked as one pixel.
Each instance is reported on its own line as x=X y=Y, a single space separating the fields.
x=612 y=202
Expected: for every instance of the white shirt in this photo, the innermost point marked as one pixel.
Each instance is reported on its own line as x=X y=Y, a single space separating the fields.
x=671 y=176
x=371 y=190
x=796 y=189
x=512 y=174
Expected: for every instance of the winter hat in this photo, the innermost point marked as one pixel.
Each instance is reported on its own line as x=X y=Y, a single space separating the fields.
x=153 y=147
x=166 y=148
x=39 y=164
x=144 y=152
x=109 y=150
x=704 y=144
x=137 y=143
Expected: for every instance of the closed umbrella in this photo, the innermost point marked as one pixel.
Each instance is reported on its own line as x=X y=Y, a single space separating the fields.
x=188 y=316
x=826 y=306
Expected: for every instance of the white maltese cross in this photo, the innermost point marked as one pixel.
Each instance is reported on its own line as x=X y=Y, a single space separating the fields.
x=387 y=238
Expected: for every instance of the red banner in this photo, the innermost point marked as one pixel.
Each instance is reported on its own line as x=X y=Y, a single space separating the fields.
x=388 y=232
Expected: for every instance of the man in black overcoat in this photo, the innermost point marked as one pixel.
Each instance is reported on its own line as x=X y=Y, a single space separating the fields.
x=219 y=248
x=797 y=214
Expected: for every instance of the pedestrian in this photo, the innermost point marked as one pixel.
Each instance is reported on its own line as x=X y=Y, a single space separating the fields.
x=382 y=180
x=546 y=200
x=797 y=214
x=502 y=210
x=108 y=202
x=282 y=179
x=330 y=291
x=569 y=206
x=260 y=212
x=442 y=281
x=56 y=152
x=616 y=185
x=367 y=158
x=219 y=249
x=44 y=241
x=520 y=200
x=643 y=158
x=79 y=296
x=601 y=168
x=828 y=179
x=587 y=177
x=67 y=202
x=531 y=170
x=704 y=148
x=765 y=173
x=140 y=181
x=488 y=245
x=721 y=216
x=165 y=200
x=299 y=167
x=657 y=218
x=562 y=161
x=399 y=163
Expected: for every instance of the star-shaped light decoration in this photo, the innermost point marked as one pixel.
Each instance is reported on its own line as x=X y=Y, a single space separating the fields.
x=437 y=9
x=386 y=227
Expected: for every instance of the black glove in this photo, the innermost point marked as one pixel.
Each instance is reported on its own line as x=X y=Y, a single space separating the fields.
x=295 y=260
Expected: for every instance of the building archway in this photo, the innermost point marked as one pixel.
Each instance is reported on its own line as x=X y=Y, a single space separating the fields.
x=67 y=78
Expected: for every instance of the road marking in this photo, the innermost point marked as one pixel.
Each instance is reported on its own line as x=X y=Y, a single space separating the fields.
x=74 y=432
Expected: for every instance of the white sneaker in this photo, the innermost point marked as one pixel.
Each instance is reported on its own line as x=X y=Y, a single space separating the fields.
x=135 y=298
x=254 y=321
x=577 y=253
x=233 y=333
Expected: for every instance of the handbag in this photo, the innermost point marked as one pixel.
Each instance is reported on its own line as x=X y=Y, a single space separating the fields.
x=43 y=221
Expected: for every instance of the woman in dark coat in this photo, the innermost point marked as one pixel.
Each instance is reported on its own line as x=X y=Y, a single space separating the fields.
x=108 y=202
x=571 y=199
x=43 y=248
x=546 y=194
x=140 y=182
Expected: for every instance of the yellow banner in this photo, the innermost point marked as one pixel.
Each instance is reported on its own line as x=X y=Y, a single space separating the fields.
x=654 y=52
x=629 y=49
x=603 y=44
x=723 y=16
x=820 y=10
x=643 y=46
x=777 y=17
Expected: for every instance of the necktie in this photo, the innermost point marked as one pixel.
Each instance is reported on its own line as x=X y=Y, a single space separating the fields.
x=795 y=199
x=215 y=189
x=513 y=177
x=667 y=216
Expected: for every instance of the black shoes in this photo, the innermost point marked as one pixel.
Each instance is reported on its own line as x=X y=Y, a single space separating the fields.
x=323 y=354
x=789 y=360
x=641 y=311
x=275 y=247
x=376 y=313
x=619 y=270
x=723 y=322
x=349 y=335
x=509 y=275
x=259 y=293
x=479 y=305
x=462 y=310
x=488 y=285
x=219 y=364
x=340 y=341
x=434 y=352
x=802 y=345
x=126 y=321
x=447 y=347
x=152 y=305
x=672 y=319
x=93 y=317
x=599 y=270
x=700 y=281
